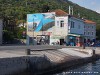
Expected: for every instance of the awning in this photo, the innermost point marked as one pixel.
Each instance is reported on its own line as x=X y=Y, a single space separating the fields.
x=78 y=35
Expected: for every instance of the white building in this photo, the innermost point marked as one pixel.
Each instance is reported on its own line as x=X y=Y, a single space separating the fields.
x=60 y=30
x=1 y=28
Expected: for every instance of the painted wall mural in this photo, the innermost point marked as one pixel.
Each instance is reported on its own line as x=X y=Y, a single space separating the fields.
x=37 y=22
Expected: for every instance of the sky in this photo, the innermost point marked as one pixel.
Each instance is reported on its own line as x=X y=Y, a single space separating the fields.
x=90 y=4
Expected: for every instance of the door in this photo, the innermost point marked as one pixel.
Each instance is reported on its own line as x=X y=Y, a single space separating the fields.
x=61 y=41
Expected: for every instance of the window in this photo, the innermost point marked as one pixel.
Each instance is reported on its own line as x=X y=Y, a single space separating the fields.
x=84 y=33
x=92 y=33
x=61 y=23
x=72 y=24
x=88 y=26
x=57 y=23
x=92 y=27
x=84 y=26
x=79 y=26
x=88 y=33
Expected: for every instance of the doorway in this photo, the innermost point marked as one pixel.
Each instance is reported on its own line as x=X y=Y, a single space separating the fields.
x=61 y=41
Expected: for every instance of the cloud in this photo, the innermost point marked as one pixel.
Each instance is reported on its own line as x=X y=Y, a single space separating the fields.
x=77 y=0
x=98 y=11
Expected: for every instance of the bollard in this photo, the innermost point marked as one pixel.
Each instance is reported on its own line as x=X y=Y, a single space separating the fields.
x=28 y=52
x=83 y=46
x=93 y=51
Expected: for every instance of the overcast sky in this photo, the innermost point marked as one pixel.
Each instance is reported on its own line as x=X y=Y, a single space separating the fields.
x=90 y=4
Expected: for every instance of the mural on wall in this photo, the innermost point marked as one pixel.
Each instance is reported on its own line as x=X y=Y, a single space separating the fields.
x=37 y=22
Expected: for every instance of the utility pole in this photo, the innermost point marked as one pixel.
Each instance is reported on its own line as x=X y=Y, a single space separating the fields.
x=71 y=12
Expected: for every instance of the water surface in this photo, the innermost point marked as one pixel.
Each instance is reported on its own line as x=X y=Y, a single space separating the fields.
x=92 y=68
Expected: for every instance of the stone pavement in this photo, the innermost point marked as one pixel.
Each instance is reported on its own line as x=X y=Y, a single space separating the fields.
x=10 y=54
x=97 y=50
x=73 y=52
x=18 y=51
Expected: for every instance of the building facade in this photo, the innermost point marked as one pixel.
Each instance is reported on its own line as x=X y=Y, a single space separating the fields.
x=75 y=31
x=39 y=27
x=59 y=28
x=89 y=30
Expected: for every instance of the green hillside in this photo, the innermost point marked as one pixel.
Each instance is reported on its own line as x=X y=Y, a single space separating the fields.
x=17 y=9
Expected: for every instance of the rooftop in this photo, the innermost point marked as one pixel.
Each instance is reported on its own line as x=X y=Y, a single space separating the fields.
x=60 y=12
x=89 y=21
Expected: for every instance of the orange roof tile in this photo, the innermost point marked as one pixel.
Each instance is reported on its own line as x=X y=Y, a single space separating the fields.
x=89 y=21
x=60 y=12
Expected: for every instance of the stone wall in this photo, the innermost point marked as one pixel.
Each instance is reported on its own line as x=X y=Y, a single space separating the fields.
x=16 y=65
x=12 y=65
x=37 y=64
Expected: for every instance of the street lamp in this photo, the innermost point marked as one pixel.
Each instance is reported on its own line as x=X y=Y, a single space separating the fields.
x=34 y=25
x=33 y=31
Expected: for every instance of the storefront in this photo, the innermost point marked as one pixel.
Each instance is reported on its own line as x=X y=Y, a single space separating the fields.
x=75 y=40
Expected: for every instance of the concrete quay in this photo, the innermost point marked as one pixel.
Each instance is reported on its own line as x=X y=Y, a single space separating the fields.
x=42 y=59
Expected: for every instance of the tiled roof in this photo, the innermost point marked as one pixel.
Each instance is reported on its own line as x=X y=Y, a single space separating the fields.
x=60 y=12
x=89 y=21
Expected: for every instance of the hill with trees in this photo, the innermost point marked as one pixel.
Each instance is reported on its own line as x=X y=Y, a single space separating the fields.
x=16 y=11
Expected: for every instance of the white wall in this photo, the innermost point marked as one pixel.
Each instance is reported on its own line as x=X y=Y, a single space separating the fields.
x=61 y=31
x=1 y=27
x=78 y=26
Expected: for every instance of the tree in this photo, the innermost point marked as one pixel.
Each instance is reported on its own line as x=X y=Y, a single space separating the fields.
x=45 y=8
x=8 y=36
